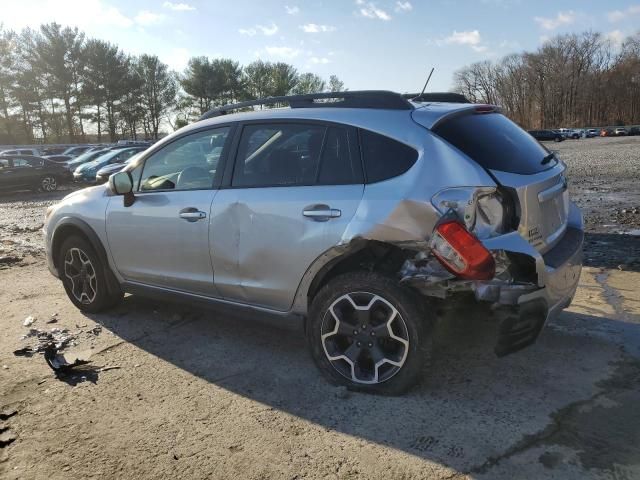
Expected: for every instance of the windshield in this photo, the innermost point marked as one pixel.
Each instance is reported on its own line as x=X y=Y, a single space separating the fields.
x=496 y=143
x=85 y=157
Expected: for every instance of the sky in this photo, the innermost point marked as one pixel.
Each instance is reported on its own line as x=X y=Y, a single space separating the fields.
x=381 y=44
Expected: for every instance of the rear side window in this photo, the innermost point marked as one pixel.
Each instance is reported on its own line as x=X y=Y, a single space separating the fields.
x=495 y=143
x=384 y=157
x=338 y=163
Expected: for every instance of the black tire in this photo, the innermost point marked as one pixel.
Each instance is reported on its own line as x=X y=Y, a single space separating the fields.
x=75 y=255
x=414 y=323
x=48 y=183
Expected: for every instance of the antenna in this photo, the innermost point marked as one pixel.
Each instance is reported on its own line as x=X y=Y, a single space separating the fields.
x=426 y=83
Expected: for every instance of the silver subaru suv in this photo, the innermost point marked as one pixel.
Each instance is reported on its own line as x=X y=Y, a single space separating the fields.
x=358 y=215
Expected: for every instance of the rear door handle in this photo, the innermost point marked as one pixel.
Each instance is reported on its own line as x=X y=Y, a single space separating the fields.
x=321 y=213
x=192 y=214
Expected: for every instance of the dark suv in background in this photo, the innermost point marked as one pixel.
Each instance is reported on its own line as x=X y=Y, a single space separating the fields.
x=26 y=171
x=547 y=135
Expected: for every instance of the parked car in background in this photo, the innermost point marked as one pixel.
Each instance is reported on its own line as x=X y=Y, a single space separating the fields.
x=84 y=158
x=57 y=150
x=105 y=172
x=22 y=151
x=591 y=133
x=546 y=135
x=576 y=133
x=87 y=171
x=634 y=131
x=77 y=150
x=606 y=132
x=58 y=158
x=620 y=131
x=358 y=221
x=26 y=171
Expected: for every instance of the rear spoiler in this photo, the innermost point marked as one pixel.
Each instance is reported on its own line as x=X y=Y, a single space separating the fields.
x=444 y=97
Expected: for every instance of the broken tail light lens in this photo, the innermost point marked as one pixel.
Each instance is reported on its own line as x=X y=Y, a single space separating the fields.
x=461 y=252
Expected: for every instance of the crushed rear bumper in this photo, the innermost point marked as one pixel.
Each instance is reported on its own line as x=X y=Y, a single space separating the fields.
x=524 y=307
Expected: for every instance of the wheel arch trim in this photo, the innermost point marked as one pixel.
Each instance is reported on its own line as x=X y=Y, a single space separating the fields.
x=65 y=227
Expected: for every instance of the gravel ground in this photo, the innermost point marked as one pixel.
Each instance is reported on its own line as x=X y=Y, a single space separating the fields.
x=201 y=394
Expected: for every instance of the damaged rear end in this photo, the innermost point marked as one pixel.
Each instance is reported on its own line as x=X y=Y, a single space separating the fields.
x=514 y=242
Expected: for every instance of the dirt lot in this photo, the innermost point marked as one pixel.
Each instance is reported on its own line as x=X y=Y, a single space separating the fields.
x=200 y=394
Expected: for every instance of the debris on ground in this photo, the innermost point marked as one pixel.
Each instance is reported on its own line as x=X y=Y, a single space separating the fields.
x=111 y=367
x=9 y=259
x=54 y=341
x=59 y=363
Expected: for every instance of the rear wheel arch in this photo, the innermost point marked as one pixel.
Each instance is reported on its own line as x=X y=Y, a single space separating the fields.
x=364 y=255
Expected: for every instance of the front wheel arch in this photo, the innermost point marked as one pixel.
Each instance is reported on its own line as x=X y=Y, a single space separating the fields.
x=70 y=226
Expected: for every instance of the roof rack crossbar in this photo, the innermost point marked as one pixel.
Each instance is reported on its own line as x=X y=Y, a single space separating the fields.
x=381 y=99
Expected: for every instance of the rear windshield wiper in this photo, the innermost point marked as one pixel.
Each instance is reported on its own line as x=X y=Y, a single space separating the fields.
x=548 y=158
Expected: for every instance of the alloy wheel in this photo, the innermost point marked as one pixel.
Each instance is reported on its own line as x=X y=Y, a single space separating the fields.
x=48 y=184
x=364 y=337
x=80 y=271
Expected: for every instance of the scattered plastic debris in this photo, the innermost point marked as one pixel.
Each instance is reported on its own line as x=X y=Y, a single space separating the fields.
x=112 y=367
x=24 y=352
x=29 y=321
x=58 y=362
x=53 y=319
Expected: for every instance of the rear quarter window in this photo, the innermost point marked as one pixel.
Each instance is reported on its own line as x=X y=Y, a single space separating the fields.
x=384 y=157
x=495 y=143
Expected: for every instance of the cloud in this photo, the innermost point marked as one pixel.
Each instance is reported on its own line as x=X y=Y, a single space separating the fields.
x=319 y=60
x=403 y=6
x=178 y=7
x=267 y=30
x=616 y=37
x=470 y=38
x=85 y=13
x=293 y=10
x=370 y=10
x=315 y=28
x=147 y=18
x=177 y=58
x=617 y=15
x=282 y=52
x=562 y=18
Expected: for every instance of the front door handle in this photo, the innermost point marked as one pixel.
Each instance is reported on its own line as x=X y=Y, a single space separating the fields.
x=321 y=213
x=192 y=214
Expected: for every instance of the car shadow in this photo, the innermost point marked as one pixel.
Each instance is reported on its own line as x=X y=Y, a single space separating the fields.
x=471 y=406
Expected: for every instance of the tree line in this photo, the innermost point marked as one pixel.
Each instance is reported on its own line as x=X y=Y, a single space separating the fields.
x=575 y=80
x=57 y=85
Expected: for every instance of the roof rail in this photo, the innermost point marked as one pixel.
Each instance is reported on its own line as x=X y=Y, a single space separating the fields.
x=381 y=99
x=448 y=97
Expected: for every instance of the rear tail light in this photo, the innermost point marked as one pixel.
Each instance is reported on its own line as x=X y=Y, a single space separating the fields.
x=461 y=252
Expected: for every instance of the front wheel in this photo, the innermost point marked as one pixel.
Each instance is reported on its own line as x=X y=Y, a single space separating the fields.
x=368 y=333
x=84 y=277
x=48 y=183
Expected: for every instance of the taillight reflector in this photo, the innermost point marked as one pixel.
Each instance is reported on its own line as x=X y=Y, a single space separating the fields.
x=461 y=252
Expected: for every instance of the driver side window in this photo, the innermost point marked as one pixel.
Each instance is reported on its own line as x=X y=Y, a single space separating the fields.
x=189 y=163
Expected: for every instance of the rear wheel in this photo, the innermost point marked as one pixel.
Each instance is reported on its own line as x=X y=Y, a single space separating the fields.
x=48 y=183
x=84 y=277
x=368 y=333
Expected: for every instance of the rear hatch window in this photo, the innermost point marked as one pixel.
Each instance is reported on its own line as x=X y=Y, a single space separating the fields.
x=495 y=142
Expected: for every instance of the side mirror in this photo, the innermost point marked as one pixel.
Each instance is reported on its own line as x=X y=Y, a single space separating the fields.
x=121 y=183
